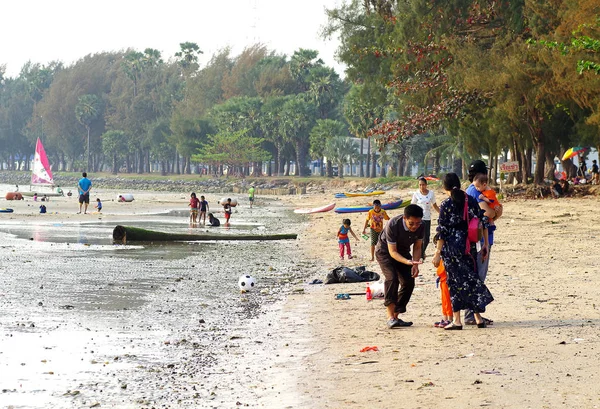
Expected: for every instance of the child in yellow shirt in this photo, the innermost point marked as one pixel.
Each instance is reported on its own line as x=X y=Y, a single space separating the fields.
x=375 y=219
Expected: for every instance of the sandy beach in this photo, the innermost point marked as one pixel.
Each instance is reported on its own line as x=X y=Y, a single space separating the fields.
x=541 y=351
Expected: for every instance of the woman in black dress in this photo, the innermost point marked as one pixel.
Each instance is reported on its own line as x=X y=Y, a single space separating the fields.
x=467 y=291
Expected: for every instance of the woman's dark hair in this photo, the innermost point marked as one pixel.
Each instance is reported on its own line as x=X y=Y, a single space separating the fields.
x=452 y=185
x=422 y=179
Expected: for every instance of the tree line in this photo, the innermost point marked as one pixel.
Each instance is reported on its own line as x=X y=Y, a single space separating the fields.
x=500 y=78
x=438 y=82
x=128 y=111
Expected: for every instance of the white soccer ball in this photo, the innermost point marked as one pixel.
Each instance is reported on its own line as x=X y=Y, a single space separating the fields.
x=246 y=283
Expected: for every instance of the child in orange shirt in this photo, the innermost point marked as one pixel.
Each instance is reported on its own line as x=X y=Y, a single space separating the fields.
x=488 y=194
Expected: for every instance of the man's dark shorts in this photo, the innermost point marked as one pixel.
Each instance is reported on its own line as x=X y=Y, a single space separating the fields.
x=84 y=198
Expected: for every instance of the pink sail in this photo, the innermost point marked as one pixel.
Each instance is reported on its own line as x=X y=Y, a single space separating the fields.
x=41 y=173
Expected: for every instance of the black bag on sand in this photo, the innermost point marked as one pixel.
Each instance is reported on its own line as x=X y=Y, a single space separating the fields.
x=349 y=275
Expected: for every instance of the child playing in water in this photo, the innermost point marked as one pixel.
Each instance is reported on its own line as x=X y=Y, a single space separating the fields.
x=488 y=194
x=203 y=209
x=194 y=204
x=98 y=205
x=343 y=240
x=228 y=210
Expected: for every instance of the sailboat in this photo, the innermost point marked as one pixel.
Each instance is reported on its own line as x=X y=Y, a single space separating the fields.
x=41 y=174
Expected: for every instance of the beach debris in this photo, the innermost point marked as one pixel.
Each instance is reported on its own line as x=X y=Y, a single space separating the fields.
x=578 y=340
x=477 y=382
x=426 y=385
x=490 y=372
x=373 y=348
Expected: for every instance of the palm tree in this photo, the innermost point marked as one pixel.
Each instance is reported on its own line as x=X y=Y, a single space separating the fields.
x=86 y=112
x=341 y=150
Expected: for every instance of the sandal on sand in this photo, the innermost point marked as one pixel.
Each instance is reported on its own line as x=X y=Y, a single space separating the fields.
x=486 y=320
x=442 y=324
x=482 y=324
x=453 y=327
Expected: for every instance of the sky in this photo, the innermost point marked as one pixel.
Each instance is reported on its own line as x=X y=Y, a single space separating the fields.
x=67 y=30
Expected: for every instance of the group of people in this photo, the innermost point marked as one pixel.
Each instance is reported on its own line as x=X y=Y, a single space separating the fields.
x=199 y=209
x=582 y=173
x=462 y=260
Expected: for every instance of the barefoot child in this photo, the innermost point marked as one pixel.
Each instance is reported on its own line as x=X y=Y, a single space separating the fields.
x=203 y=209
x=98 y=205
x=343 y=240
x=228 y=210
x=375 y=219
x=194 y=202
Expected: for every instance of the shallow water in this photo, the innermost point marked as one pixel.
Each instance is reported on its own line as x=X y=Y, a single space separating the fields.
x=83 y=321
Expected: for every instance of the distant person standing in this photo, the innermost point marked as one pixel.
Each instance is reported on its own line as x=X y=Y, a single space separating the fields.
x=228 y=210
x=582 y=169
x=203 y=209
x=595 y=174
x=425 y=199
x=84 y=186
x=251 y=195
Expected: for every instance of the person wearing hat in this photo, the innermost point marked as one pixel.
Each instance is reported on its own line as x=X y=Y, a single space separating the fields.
x=483 y=260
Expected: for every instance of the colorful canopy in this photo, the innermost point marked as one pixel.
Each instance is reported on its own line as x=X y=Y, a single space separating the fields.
x=574 y=151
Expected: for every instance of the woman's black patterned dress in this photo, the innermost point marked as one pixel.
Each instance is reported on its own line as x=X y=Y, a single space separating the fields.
x=467 y=291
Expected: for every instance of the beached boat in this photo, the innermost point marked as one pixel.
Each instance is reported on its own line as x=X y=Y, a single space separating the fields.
x=357 y=194
x=386 y=206
x=321 y=209
x=5 y=210
x=124 y=234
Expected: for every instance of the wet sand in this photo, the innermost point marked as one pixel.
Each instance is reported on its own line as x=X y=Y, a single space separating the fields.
x=84 y=322
x=136 y=340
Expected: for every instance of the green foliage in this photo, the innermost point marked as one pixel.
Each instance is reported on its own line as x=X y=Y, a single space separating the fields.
x=232 y=149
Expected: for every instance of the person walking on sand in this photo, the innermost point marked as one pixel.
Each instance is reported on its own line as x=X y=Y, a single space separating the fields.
x=397 y=265
x=194 y=204
x=375 y=219
x=483 y=263
x=344 y=240
x=251 y=195
x=203 y=209
x=425 y=199
x=228 y=211
x=84 y=186
x=467 y=290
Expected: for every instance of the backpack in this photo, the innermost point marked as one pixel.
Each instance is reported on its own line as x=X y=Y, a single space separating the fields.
x=474 y=227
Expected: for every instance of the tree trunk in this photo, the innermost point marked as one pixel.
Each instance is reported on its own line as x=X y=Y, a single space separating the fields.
x=361 y=171
x=369 y=157
x=124 y=234
x=373 y=163
x=299 y=160
x=529 y=160
x=550 y=166
x=436 y=163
